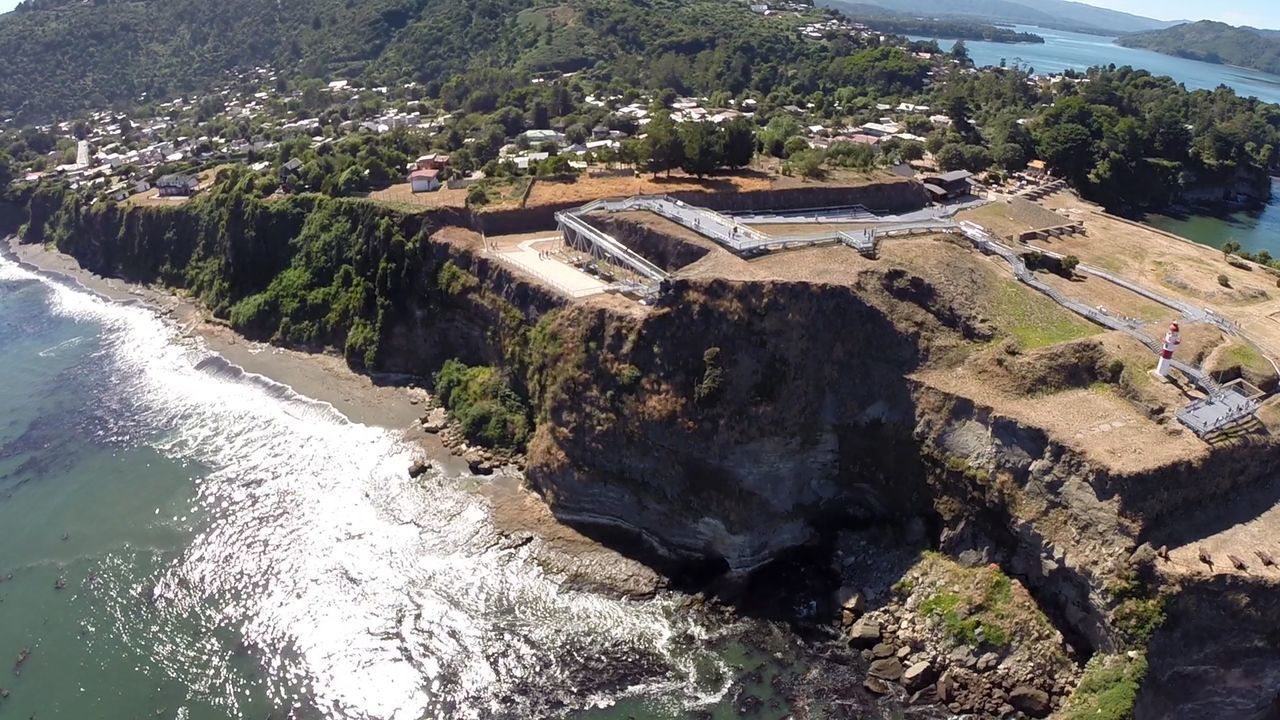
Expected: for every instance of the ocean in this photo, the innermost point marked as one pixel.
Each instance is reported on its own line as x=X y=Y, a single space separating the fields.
x=183 y=540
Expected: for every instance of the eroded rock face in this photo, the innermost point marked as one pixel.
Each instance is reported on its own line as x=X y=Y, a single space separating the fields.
x=740 y=460
x=1218 y=655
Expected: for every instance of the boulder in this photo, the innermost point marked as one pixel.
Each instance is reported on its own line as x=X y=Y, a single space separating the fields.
x=904 y=652
x=917 y=676
x=962 y=656
x=435 y=421
x=1031 y=701
x=418 y=468
x=876 y=686
x=886 y=669
x=988 y=661
x=883 y=650
x=850 y=600
x=946 y=688
x=864 y=633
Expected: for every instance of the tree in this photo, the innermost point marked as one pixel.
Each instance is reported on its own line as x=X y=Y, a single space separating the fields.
x=807 y=163
x=1230 y=247
x=912 y=151
x=663 y=148
x=794 y=145
x=703 y=147
x=950 y=157
x=1009 y=156
x=1067 y=148
x=575 y=134
x=960 y=53
x=739 y=142
x=775 y=135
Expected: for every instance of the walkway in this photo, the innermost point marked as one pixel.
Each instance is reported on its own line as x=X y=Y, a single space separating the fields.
x=1221 y=408
x=554 y=271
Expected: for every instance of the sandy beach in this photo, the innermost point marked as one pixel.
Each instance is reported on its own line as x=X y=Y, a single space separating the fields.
x=518 y=514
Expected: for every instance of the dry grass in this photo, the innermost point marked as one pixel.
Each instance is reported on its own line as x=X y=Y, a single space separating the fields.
x=1174 y=267
x=402 y=196
x=584 y=189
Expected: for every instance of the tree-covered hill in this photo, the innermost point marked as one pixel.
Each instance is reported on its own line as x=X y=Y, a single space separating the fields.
x=1214 y=42
x=64 y=57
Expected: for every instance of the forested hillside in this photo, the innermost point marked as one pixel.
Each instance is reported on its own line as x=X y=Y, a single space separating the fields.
x=1214 y=42
x=63 y=57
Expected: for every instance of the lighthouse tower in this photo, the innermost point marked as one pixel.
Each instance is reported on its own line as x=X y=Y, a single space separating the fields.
x=1166 y=351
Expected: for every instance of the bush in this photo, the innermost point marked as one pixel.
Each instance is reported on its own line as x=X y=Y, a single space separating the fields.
x=477 y=196
x=453 y=280
x=484 y=405
x=712 y=376
x=1108 y=690
x=1224 y=281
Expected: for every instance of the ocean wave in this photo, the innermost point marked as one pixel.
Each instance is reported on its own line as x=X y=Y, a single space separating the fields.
x=364 y=593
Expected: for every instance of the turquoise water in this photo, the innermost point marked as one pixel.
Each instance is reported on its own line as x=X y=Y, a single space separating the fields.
x=1255 y=231
x=181 y=540
x=184 y=541
x=1067 y=50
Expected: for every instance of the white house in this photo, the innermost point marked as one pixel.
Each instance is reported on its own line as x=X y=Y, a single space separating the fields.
x=424 y=180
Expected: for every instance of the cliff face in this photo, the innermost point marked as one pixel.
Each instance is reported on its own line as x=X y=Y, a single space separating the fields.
x=738 y=419
x=742 y=419
x=1218 y=656
x=729 y=425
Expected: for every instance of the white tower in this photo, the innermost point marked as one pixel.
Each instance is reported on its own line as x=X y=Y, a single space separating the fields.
x=1166 y=351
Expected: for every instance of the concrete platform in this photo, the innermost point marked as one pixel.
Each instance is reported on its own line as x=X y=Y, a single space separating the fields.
x=533 y=257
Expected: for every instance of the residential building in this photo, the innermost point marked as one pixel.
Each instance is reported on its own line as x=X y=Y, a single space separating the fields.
x=424 y=180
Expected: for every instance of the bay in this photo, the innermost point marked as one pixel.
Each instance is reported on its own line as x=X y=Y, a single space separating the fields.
x=1064 y=50
x=1255 y=230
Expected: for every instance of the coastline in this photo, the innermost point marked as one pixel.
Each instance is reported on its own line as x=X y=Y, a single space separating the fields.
x=519 y=516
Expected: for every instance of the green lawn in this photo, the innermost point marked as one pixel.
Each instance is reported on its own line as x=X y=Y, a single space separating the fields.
x=1035 y=321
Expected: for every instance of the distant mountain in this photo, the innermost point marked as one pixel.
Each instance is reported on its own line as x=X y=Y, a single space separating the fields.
x=1214 y=42
x=1060 y=14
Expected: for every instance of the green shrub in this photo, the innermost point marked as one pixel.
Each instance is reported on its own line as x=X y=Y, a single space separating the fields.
x=1224 y=281
x=1108 y=689
x=628 y=375
x=712 y=376
x=453 y=280
x=1137 y=619
x=487 y=409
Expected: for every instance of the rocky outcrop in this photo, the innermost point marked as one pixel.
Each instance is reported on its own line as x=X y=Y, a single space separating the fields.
x=1218 y=654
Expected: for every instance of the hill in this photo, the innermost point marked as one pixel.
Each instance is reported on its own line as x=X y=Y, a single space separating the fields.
x=66 y=56
x=1059 y=14
x=1214 y=42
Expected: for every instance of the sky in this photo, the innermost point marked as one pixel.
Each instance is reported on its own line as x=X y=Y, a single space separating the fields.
x=1257 y=13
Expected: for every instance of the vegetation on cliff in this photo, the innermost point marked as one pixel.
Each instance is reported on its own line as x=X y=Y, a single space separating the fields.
x=484 y=404
x=1213 y=42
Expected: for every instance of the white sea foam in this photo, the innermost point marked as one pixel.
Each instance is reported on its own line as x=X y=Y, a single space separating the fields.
x=365 y=593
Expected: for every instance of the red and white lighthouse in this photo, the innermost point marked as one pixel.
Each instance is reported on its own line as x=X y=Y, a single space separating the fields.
x=1166 y=351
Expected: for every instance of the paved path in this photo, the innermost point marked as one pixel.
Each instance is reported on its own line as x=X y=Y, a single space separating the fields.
x=561 y=275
